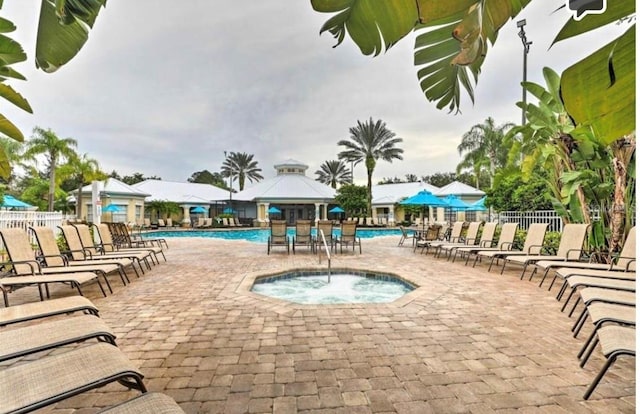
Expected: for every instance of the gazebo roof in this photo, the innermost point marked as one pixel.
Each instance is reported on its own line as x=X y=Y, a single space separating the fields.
x=287 y=187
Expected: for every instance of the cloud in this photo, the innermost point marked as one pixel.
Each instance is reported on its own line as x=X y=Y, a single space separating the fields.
x=165 y=91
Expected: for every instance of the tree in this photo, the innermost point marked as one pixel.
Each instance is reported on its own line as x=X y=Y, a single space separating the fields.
x=243 y=166
x=483 y=147
x=334 y=172
x=137 y=177
x=47 y=143
x=205 y=177
x=452 y=42
x=512 y=193
x=353 y=199
x=370 y=142
x=62 y=31
x=81 y=170
x=411 y=178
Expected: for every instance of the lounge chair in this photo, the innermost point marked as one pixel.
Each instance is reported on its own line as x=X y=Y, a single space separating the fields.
x=26 y=340
x=606 y=313
x=326 y=227
x=615 y=341
x=596 y=278
x=232 y=222
x=570 y=248
x=486 y=240
x=53 y=378
x=54 y=307
x=108 y=245
x=130 y=239
x=433 y=233
x=278 y=235
x=625 y=261
x=348 y=237
x=303 y=236
x=52 y=256
x=147 y=403
x=25 y=269
x=83 y=240
x=236 y=220
x=532 y=245
x=170 y=222
x=505 y=243
x=225 y=222
x=454 y=237
x=161 y=223
x=469 y=239
x=592 y=295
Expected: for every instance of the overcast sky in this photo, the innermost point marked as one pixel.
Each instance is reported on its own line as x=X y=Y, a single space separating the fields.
x=164 y=88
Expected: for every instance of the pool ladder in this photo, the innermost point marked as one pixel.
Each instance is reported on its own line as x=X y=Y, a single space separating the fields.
x=326 y=249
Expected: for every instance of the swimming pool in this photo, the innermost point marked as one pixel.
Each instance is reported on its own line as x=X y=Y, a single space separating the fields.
x=260 y=235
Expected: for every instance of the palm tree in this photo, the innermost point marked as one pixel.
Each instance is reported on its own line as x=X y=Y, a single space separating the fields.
x=334 y=172
x=483 y=147
x=81 y=170
x=370 y=142
x=241 y=165
x=47 y=143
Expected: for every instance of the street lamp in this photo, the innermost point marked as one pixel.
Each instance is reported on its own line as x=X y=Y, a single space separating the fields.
x=230 y=179
x=525 y=50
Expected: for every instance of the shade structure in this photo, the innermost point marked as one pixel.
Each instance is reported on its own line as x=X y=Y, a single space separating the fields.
x=424 y=199
x=274 y=210
x=12 y=202
x=111 y=208
x=336 y=209
x=478 y=205
x=199 y=210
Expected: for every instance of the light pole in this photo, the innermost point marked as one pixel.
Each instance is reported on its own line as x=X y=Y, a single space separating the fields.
x=525 y=52
x=230 y=179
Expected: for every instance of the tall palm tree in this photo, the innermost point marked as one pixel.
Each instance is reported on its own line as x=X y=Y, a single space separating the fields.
x=334 y=172
x=47 y=143
x=370 y=142
x=241 y=165
x=483 y=146
x=82 y=170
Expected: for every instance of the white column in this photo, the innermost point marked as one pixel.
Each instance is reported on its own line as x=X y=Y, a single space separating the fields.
x=317 y=212
x=186 y=218
x=266 y=212
x=392 y=215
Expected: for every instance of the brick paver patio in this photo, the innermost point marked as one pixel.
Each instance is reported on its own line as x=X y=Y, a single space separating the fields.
x=466 y=341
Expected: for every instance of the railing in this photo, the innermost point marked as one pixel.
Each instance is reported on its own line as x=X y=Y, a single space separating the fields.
x=526 y=218
x=326 y=249
x=26 y=219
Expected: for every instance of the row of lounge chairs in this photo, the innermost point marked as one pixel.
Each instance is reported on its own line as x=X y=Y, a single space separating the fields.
x=606 y=290
x=304 y=237
x=74 y=369
x=370 y=221
x=60 y=324
x=85 y=261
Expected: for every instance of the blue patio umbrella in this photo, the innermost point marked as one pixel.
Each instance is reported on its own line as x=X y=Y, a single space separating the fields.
x=12 y=202
x=425 y=199
x=274 y=210
x=455 y=203
x=111 y=208
x=336 y=209
x=478 y=205
x=199 y=210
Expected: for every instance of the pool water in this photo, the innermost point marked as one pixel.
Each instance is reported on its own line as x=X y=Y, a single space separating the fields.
x=343 y=288
x=260 y=235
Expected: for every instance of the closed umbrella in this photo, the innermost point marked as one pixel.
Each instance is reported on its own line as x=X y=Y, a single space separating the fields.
x=425 y=199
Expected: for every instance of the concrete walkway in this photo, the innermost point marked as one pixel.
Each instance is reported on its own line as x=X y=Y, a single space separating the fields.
x=466 y=341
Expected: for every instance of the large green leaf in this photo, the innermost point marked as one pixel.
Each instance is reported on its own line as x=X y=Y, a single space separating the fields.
x=5 y=166
x=448 y=54
x=615 y=11
x=600 y=89
x=63 y=30
x=8 y=93
x=373 y=25
x=9 y=129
